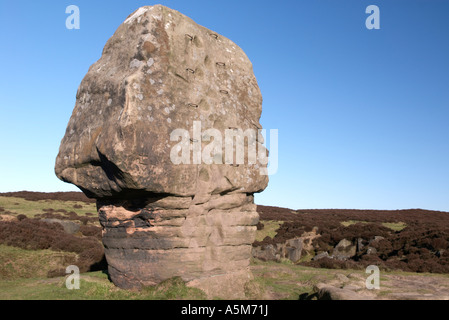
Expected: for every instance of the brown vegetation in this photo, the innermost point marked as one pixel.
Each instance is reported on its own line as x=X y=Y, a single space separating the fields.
x=422 y=246
x=64 y=215
x=62 y=196
x=34 y=234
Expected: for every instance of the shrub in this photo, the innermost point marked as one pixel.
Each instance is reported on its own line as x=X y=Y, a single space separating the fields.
x=422 y=246
x=34 y=234
x=91 y=231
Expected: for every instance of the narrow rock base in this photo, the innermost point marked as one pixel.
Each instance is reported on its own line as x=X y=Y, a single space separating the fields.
x=205 y=240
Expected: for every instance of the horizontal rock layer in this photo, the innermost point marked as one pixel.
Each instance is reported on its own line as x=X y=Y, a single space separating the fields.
x=150 y=240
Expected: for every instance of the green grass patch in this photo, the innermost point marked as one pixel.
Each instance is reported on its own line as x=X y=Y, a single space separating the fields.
x=395 y=226
x=269 y=230
x=351 y=222
x=16 y=263
x=306 y=258
x=288 y=281
x=31 y=208
x=94 y=286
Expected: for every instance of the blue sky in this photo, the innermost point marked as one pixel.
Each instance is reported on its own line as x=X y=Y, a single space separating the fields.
x=362 y=114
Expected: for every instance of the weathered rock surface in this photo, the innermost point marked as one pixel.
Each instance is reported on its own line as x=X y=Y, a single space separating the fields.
x=150 y=241
x=161 y=72
x=268 y=252
x=291 y=249
x=334 y=284
x=344 y=250
x=321 y=255
x=328 y=292
x=392 y=287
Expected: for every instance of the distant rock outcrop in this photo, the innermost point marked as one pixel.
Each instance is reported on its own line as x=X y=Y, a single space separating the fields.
x=140 y=141
x=292 y=249
x=344 y=250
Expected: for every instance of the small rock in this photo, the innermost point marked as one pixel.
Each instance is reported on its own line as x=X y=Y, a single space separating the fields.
x=7 y=217
x=356 y=276
x=376 y=239
x=266 y=253
x=342 y=277
x=344 y=250
x=439 y=253
x=360 y=245
x=351 y=287
x=70 y=227
x=321 y=256
x=327 y=292
x=293 y=249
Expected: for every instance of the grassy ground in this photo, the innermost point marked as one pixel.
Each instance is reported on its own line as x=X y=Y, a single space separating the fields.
x=285 y=280
x=395 y=226
x=16 y=263
x=269 y=229
x=93 y=286
x=23 y=273
x=272 y=281
x=31 y=208
x=292 y=282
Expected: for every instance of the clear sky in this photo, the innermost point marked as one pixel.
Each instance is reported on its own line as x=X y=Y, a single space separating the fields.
x=363 y=115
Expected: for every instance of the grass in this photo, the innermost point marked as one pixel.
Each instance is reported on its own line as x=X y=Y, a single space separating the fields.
x=272 y=280
x=16 y=263
x=282 y=280
x=351 y=222
x=23 y=272
x=287 y=281
x=395 y=226
x=407 y=273
x=269 y=230
x=94 y=286
x=31 y=208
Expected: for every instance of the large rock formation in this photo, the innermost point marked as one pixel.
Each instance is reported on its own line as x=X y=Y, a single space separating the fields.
x=168 y=209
